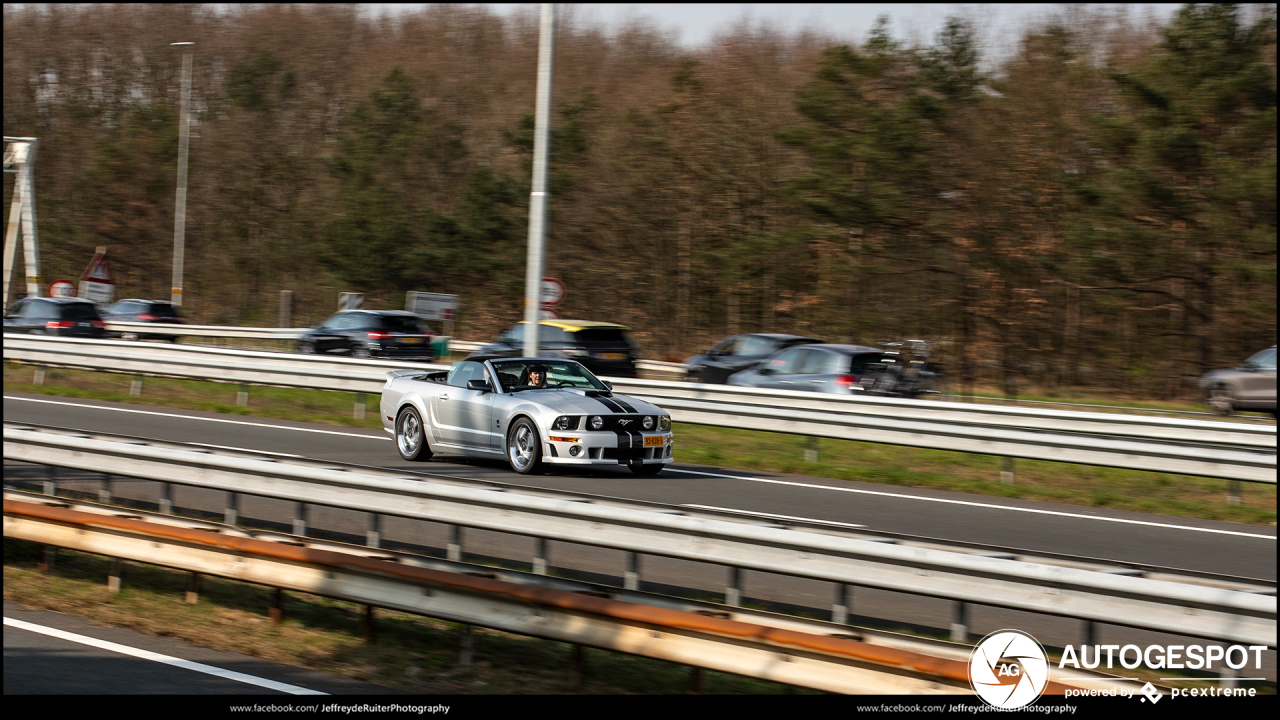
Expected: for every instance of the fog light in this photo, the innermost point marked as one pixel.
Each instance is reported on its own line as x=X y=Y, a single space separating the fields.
x=575 y=451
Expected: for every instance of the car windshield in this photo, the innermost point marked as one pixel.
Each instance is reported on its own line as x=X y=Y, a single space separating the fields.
x=1265 y=360
x=400 y=323
x=517 y=375
x=79 y=311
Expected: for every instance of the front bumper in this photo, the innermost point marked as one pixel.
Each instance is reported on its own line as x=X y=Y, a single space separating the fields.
x=606 y=448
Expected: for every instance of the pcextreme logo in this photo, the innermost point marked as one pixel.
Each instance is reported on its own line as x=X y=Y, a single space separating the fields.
x=1008 y=669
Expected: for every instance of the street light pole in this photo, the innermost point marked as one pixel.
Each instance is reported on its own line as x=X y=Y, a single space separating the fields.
x=180 y=212
x=538 y=198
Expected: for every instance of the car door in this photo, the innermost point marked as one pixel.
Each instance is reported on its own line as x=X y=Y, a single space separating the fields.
x=329 y=337
x=13 y=317
x=776 y=372
x=800 y=370
x=815 y=370
x=462 y=415
x=1259 y=378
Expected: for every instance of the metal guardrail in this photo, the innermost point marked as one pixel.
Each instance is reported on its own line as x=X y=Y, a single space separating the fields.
x=871 y=644
x=786 y=656
x=1182 y=609
x=1233 y=451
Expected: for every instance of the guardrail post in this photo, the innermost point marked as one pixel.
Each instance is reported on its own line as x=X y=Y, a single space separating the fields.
x=104 y=490
x=166 y=498
x=135 y=386
x=541 y=553
x=840 y=609
x=733 y=593
x=300 y=519
x=811 y=449
x=1233 y=492
x=242 y=396
x=48 y=556
x=454 y=550
x=960 y=622
x=579 y=663
x=1090 y=633
x=374 y=537
x=695 y=681
x=631 y=578
x=231 y=513
x=468 y=645
x=1006 y=470
x=360 y=403
x=367 y=628
x=277 y=606
x=113 y=577
x=193 y=589
x=1227 y=677
x=51 y=480
x=38 y=378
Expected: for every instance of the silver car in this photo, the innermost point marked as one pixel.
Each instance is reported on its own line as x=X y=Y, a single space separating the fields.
x=1251 y=386
x=828 y=368
x=531 y=411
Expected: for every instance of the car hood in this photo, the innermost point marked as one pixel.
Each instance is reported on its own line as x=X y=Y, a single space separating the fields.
x=577 y=402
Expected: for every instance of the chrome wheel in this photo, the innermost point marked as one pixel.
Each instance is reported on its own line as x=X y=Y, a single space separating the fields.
x=410 y=440
x=523 y=447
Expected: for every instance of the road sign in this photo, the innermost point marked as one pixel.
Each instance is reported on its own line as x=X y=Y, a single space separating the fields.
x=432 y=306
x=96 y=283
x=546 y=313
x=350 y=301
x=62 y=288
x=550 y=292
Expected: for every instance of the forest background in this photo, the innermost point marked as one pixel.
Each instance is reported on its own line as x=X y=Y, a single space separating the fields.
x=1097 y=209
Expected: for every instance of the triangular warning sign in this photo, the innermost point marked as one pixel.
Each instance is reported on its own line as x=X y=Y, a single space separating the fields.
x=98 y=271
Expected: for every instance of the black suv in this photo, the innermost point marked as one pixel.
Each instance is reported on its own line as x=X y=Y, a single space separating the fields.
x=606 y=349
x=739 y=352
x=143 y=311
x=67 y=317
x=370 y=333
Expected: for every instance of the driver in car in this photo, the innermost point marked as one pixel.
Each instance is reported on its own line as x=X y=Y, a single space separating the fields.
x=537 y=376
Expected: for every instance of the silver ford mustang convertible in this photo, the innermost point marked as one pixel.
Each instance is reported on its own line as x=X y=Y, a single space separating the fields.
x=529 y=410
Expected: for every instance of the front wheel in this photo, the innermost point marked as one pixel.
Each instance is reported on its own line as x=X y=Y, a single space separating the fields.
x=524 y=449
x=306 y=349
x=1220 y=401
x=644 y=470
x=411 y=438
x=360 y=351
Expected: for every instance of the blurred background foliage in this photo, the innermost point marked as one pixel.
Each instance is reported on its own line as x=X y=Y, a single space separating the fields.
x=1097 y=208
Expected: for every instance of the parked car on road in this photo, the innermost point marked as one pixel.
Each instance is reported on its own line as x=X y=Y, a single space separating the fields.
x=160 y=312
x=737 y=353
x=370 y=333
x=65 y=317
x=1252 y=386
x=606 y=349
x=829 y=368
x=530 y=411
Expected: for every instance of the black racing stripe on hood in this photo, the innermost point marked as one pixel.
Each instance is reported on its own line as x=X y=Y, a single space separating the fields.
x=609 y=404
x=623 y=403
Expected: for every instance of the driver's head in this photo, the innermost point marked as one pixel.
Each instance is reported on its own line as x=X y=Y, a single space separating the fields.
x=537 y=374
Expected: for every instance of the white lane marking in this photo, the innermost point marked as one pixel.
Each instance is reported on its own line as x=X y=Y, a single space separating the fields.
x=157 y=657
x=974 y=504
x=192 y=417
x=248 y=450
x=772 y=515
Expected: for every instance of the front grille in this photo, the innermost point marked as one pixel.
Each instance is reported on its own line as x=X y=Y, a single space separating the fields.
x=616 y=422
x=623 y=453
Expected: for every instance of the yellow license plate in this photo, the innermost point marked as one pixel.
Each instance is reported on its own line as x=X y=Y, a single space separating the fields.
x=613 y=356
x=410 y=340
x=655 y=441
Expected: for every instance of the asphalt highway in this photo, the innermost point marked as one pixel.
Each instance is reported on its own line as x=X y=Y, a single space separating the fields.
x=1191 y=544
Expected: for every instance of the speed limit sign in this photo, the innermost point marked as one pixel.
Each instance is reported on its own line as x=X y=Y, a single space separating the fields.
x=550 y=292
x=62 y=288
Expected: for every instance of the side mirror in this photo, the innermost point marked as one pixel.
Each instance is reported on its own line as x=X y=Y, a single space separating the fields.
x=765 y=371
x=480 y=385
x=608 y=385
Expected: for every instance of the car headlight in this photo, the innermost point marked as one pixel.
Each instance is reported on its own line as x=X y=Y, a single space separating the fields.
x=664 y=422
x=597 y=422
x=648 y=422
x=565 y=422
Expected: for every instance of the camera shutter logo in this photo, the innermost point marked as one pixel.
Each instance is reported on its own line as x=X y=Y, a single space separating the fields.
x=1008 y=669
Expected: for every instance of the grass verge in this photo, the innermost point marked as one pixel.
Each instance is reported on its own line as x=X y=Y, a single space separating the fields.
x=1082 y=485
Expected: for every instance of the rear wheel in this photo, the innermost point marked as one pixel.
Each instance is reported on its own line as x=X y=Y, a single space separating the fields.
x=306 y=348
x=524 y=448
x=1220 y=400
x=644 y=470
x=411 y=438
x=360 y=351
